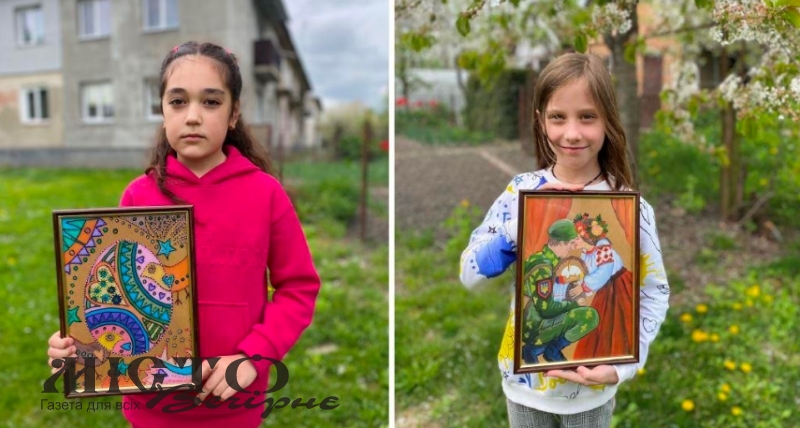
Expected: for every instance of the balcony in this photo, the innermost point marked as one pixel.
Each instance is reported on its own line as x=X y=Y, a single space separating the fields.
x=266 y=61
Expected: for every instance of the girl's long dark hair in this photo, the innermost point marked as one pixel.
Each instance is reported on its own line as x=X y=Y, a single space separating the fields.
x=239 y=137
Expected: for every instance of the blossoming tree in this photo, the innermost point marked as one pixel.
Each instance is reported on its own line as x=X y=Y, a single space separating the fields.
x=759 y=78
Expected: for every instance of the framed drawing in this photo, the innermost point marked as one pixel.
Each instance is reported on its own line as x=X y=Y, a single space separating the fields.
x=126 y=291
x=577 y=291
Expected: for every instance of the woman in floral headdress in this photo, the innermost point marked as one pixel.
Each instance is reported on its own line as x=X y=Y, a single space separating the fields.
x=612 y=284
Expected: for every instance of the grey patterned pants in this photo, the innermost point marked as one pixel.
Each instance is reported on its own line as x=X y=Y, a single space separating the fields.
x=520 y=416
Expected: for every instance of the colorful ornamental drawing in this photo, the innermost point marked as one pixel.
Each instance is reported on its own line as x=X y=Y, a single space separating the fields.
x=78 y=236
x=129 y=289
x=126 y=287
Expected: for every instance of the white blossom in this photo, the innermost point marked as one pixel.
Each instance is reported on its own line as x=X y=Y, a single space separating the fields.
x=795 y=86
x=611 y=19
x=730 y=87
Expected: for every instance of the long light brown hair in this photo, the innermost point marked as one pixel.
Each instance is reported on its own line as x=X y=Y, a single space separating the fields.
x=565 y=69
x=239 y=137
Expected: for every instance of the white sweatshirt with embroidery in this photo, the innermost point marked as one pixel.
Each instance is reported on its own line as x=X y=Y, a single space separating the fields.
x=492 y=249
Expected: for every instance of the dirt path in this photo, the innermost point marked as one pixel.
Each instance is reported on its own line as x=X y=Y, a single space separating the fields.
x=431 y=181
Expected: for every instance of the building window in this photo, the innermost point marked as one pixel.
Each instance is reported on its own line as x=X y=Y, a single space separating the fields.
x=260 y=100
x=94 y=18
x=30 y=26
x=160 y=14
x=153 y=102
x=97 y=102
x=34 y=106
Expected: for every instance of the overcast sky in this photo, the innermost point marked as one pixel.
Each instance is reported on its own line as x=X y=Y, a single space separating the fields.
x=344 y=46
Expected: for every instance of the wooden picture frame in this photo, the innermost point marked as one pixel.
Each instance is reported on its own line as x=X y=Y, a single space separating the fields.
x=577 y=283
x=127 y=297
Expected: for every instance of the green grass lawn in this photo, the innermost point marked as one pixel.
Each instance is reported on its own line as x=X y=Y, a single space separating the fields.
x=377 y=171
x=729 y=362
x=344 y=353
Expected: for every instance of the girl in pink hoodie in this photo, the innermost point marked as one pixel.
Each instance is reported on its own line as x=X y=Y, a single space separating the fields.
x=246 y=233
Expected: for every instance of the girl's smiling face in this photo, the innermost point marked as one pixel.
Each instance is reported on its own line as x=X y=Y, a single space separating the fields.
x=575 y=129
x=198 y=112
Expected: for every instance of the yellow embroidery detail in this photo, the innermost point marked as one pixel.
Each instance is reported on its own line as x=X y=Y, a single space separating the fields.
x=549 y=383
x=507 y=346
x=648 y=267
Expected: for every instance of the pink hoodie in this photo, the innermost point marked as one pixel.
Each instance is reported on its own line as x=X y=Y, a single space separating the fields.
x=244 y=226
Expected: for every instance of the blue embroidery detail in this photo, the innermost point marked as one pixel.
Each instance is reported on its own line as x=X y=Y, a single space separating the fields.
x=495 y=257
x=525 y=380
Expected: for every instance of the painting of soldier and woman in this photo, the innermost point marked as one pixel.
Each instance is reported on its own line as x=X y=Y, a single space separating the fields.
x=577 y=297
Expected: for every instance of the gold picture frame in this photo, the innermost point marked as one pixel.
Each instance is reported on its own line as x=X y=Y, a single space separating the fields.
x=577 y=283
x=127 y=297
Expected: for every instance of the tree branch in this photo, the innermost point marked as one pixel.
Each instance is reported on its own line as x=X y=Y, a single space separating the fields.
x=681 y=30
x=752 y=211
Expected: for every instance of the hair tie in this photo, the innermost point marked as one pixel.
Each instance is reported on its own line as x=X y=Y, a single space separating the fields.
x=175 y=49
x=233 y=57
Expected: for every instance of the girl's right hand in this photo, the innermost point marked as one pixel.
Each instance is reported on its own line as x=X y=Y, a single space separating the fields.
x=60 y=348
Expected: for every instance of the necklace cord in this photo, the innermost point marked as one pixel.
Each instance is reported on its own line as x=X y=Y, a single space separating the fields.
x=553 y=171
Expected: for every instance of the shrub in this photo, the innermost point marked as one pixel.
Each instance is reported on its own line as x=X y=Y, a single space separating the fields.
x=330 y=199
x=494 y=106
x=770 y=163
x=432 y=125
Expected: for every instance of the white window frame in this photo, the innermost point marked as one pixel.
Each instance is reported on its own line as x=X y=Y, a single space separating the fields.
x=38 y=30
x=100 y=117
x=260 y=111
x=149 y=99
x=162 y=16
x=25 y=107
x=98 y=19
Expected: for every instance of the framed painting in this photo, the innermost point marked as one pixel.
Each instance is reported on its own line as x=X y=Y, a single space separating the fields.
x=126 y=292
x=577 y=291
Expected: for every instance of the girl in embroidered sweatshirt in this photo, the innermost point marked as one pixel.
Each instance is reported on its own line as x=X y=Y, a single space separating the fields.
x=246 y=230
x=580 y=145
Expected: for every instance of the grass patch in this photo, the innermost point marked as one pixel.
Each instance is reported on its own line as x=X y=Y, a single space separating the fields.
x=328 y=194
x=306 y=170
x=434 y=127
x=733 y=358
x=447 y=337
x=344 y=353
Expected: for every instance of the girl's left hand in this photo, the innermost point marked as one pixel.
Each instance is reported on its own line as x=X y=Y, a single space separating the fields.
x=217 y=385
x=600 y=375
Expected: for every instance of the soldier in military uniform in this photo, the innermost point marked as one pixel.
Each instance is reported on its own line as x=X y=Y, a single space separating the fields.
x=551 y=323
